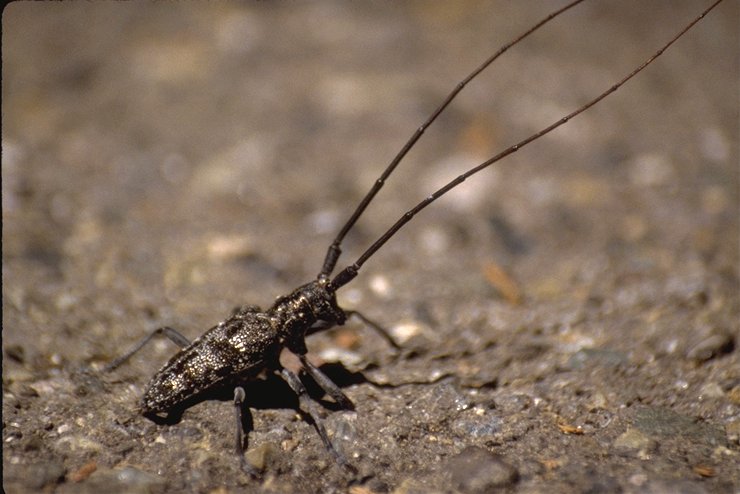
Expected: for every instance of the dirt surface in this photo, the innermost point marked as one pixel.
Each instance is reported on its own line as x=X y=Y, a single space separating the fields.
x=569 y=319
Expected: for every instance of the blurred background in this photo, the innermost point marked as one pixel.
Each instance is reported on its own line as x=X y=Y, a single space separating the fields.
x=164 y=162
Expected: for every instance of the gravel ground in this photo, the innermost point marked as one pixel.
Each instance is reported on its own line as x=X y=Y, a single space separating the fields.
x=569 y=319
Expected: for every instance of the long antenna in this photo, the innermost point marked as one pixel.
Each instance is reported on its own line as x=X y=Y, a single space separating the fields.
x=335 y=250
x=348 y=273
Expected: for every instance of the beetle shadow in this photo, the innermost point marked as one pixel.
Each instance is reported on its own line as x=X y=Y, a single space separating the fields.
x=269 y=392
x=339 y=375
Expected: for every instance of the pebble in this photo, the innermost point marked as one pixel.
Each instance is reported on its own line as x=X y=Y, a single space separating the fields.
x=711 y=390
x=404 y=331
x=25 y=390
x=634 y=443
x=711 y=347
x=16 y=353
x=732 y=429
x=77 y=443
x=438 y=401
x=473 y=424
x=260 y=455
x=348 y=358
x=477 y=470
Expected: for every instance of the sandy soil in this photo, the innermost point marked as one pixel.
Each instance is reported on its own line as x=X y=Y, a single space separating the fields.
x=569 y=319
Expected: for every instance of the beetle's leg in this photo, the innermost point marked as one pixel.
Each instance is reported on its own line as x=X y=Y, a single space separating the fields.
x=322 y=325
x=309 y=406
x=326 y=384
x=377 y=327
x=242 y=413
x=175 y=336
x=319 y=326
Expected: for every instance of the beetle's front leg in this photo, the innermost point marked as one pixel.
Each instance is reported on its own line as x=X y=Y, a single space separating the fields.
x=375 y=326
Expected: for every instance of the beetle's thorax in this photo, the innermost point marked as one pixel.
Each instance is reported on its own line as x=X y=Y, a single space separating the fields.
x=307 y=305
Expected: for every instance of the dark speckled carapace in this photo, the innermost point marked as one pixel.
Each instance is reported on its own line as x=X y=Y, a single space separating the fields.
x=241 y=347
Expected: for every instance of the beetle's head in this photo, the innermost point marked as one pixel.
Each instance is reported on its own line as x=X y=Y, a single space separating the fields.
x=323 y=302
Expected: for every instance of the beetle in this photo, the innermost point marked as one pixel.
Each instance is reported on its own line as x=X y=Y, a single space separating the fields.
x=250 y=341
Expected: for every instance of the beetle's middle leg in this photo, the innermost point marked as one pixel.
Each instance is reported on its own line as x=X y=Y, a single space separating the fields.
x=326 y=384
x=242 y=414
x=309 y=406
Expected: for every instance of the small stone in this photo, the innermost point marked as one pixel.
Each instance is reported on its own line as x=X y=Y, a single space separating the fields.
x=711 y=390
x=16 y=352
x=477 y=470
x=260 y=455
x=27 y=391
x=473 y=424
x=348 y=358
x=345 y=432
x=597 y=402
x=439 y=401
x=77 y=443
x=404 y=331
x=732 y=429
x=711 y=347
x=634 y=443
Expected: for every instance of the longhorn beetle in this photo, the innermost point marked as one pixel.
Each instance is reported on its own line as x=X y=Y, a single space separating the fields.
x=249 y=342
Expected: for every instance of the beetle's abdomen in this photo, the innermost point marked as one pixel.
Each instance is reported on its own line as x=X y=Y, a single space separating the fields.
x=239 y=347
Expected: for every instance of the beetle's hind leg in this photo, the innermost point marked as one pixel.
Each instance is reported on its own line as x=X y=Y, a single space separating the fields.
x=308 y=406
x=175 y=336
x=243 y=416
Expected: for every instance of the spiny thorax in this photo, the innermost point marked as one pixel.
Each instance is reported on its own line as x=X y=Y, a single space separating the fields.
x=295 y=313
